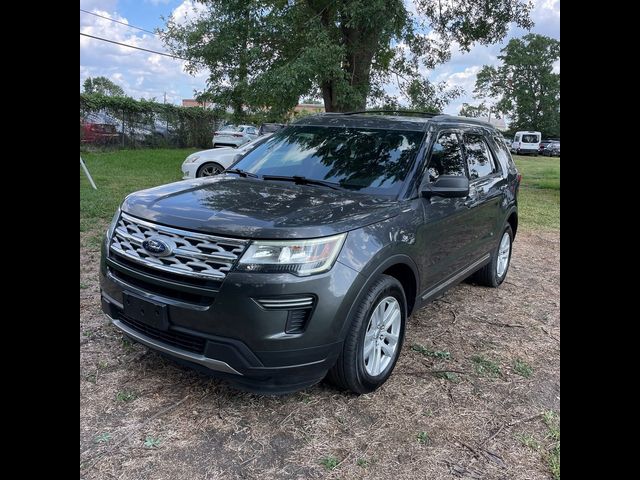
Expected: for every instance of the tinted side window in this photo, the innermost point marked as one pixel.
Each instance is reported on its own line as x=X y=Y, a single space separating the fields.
x=503 y=153
x=446 y=157
x=478 y=156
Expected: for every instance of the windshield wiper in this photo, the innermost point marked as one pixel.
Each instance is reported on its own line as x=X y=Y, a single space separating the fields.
x=242 y=173
x=302 y=181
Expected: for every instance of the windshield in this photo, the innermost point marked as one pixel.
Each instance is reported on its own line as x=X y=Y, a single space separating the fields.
x=366 y=160
x=254 y=143
x=271 y=127
x=530 y=139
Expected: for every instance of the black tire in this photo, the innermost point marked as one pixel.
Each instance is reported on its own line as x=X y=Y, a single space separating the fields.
x=349 y=371
x=488 y=275
x=205 y=167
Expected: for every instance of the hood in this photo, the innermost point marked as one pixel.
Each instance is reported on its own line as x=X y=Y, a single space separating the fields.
x=213 y=152
x=252 y=208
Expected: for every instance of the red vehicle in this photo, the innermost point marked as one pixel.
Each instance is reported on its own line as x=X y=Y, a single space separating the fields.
x=101 y=133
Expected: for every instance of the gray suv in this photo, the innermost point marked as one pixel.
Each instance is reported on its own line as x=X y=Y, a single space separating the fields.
x=305 y=258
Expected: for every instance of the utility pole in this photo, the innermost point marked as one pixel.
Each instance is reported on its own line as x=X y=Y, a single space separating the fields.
x=166 y=117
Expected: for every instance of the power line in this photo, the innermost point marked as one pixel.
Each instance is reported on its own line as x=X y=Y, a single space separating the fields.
x=116 y=21
x=133 y=46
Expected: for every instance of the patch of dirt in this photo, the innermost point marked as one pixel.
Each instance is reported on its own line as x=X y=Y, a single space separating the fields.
x=473 y=421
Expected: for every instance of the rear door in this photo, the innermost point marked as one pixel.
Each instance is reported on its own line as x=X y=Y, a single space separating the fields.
x=530 y=141
x=487 y=186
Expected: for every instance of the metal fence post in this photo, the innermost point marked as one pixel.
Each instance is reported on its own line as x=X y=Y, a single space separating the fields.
x=86 y=171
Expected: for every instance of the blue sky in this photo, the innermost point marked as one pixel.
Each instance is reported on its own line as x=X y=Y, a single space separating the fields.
x=147 y=75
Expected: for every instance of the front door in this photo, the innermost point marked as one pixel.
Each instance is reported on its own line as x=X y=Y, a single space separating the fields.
x=446 y=235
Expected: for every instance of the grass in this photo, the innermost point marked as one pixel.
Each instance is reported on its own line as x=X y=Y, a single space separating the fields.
x=103 y=438
x=451 y=376
x=529 y=441
x=127 y=345
x=485 y=367
x=423 y=438
x=152 y=442
x=121 y=172
x=539 y=197
x=522 y=368
x=430 y=353
x=552 y=456
x=329 y=462
x=126 y=396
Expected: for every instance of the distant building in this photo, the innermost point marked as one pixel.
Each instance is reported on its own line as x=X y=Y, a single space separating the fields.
x=496 y=122
x=309 y=107
x=190 y=102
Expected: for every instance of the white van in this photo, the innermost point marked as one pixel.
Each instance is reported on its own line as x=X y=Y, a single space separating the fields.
x=526 y=142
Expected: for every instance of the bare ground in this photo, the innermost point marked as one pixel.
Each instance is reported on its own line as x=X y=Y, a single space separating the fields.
x=435 y=418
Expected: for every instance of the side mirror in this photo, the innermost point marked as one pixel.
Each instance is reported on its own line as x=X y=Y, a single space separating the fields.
x=450 y=186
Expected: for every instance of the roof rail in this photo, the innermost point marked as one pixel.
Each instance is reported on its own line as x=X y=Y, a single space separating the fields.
x=407 y=112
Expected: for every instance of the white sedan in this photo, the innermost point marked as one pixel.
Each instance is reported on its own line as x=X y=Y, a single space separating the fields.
x=234 y=135
x=213 y=161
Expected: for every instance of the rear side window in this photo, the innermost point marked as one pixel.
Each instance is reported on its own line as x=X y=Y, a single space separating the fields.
x=446 y=157
x=502 y=152
x=479 y=157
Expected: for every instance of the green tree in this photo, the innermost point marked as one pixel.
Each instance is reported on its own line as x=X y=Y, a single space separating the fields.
x=103 y=86
x=468 y=110
x=524 y=84
x=269 y=53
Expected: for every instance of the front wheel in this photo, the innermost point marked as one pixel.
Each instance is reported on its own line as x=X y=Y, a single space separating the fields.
x=372 y=345
x=209 y=169
x=494 y=272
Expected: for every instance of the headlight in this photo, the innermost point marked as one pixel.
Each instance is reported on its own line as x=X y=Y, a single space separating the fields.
x=192 y=158
x=113 y=224
x=300 y=257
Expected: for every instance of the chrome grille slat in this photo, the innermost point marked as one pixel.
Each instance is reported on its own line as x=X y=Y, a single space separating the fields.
x=285 y=303
x=196 y=255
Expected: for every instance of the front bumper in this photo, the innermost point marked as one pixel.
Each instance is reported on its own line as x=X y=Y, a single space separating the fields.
x=189 y=170
x=237 y=339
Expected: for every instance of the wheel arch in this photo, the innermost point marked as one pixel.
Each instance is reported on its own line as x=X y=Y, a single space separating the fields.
x=399 y=266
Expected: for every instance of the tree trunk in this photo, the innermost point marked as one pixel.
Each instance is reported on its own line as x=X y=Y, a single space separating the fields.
x=329 y=96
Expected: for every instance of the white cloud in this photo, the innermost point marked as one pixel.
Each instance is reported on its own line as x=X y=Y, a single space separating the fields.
x=141 y=74
x=103 y=5
x=187 y=11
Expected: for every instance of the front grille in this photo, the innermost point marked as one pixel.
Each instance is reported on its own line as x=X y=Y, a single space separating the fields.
x=181 y=340
x=172 y=293
x=196 y=256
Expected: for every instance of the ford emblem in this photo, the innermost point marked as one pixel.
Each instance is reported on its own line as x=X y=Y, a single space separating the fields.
x=157 y=247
